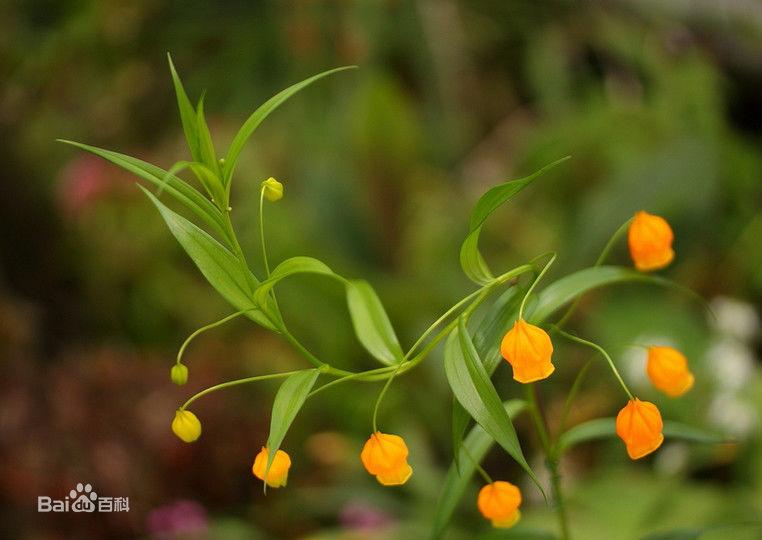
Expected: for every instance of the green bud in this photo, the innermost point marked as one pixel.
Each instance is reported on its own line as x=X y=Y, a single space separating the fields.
x=179 y=374
x=273 y=190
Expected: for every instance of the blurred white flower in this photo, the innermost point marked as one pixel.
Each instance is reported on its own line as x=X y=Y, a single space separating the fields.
x=672 y=458
x=732 y=363
x=735 y=317
x=732 y=415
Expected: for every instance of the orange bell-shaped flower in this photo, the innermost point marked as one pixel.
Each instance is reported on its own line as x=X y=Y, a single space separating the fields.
x=499 y=502
x=668 y=370
x=385 y=457
x=528 y=349
x=277 y=476
x=639 y=425
x=650 y=240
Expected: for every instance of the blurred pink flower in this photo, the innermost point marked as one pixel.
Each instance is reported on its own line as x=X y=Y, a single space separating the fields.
x=181 y=517
x=360 y=516
x=83 y=180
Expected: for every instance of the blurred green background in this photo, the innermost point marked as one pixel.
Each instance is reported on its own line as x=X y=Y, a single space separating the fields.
x=660 y=105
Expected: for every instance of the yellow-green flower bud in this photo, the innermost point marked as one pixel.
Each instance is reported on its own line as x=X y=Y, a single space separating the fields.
x=272 y=189
x=179 y=374
x=186 y=425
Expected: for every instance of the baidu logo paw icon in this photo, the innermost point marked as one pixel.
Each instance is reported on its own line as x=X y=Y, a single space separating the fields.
x=83 y=498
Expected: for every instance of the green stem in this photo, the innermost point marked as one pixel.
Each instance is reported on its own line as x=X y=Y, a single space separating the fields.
x=572 y=394
x=235 y=383
x=417 y=359
x=361 y=376
x=204 y=329
x=534 y=284
x=612 y=241
x=599 y=261
x=314 y=360
x=238 y=251
x=439 y=321
x=381 y=397
x=477 y=466
x=560 y=507
x=497 y=281
x=262 y=230
x=603 y=352
x=550 y=459
x=537 y=418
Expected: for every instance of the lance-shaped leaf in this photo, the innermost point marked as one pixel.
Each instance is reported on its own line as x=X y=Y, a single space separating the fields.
x=205 y=144
x=471 y=260
x=574 y=285
x=167 y=181
x=220 y=267
x=187 y=113
x=210 y=181
x=678 y=534
x=605 y=428
x=256 y=118
x=474 y=390
x=288 y=401
x=474 y=448
x=490 y=331
x=371 y=323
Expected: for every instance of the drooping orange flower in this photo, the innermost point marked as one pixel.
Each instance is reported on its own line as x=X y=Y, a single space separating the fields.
x=385 y=457
x=277 y=476
x=499 y=502
x=650 y=240
x=528 y=349
x=668 y=370
x=639 y=425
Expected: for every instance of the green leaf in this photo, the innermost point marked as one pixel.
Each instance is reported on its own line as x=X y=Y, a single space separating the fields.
x=518 y=533
x=490 y=331
x=474 y=390
x=684 y=432
x=289 y=267
x=220 y=267
x=174 y=186
x=251 y=124
x=471 y=259
x=677 y=534
x=187 y=113
x=496 y=322
x=205 y=144
x=695 y=534
x=459 y=423
x=210 y=181
x=475 y=446
x=570 y=287
x=605 y=428
x=288 y=401
x=371 y=323
x=598 y=428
